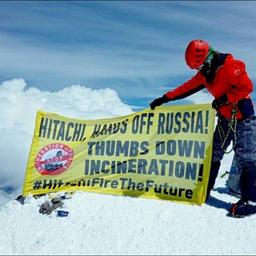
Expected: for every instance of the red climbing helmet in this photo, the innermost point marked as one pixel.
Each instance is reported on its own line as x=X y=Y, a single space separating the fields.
x=196 y=53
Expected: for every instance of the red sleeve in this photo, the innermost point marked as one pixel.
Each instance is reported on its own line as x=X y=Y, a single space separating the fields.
x=241 y=85
x=193 y=85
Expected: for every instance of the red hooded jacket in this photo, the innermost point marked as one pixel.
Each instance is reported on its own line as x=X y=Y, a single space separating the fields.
x=230 y=78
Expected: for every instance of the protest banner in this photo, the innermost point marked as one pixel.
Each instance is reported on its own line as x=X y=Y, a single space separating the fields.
x=160 y=154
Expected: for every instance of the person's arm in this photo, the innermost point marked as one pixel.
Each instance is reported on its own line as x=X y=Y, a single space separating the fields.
x=195 y=84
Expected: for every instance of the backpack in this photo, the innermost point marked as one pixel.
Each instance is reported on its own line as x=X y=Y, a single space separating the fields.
x=233 y=181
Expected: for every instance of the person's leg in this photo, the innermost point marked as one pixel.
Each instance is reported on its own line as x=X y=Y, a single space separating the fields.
x=246 y=155
x=220 y=132
x=246 y=159
x=248 y=181
x=215 y=166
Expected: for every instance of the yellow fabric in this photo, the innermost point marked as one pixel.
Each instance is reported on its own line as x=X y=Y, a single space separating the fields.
x=160 y=154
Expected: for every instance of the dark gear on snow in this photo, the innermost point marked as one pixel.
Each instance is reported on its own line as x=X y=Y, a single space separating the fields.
x=21 y=199
x=159 y=101
x=62 y=213
x=47 y=207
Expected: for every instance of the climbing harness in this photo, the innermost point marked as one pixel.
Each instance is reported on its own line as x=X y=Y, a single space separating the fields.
x=232 y=125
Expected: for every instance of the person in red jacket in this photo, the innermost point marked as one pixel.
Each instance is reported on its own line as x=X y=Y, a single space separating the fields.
x=227 y=80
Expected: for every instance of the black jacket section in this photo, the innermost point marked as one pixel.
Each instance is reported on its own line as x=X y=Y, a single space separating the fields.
x=186 y=94
x=220 y=101
x=209 y=69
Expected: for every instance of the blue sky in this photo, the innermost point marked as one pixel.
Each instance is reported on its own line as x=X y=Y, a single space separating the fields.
x=134 y=47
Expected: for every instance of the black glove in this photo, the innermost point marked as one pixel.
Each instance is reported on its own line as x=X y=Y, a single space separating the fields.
x=220 y=101
x=158 y=102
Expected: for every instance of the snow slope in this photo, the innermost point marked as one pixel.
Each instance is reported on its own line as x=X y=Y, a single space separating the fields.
x=118 y=225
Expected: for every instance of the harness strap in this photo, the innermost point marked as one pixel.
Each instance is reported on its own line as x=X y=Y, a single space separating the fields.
x=232 y=128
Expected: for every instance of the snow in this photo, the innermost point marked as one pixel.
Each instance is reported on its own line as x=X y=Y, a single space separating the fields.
x=103 y=224
x=119 y=225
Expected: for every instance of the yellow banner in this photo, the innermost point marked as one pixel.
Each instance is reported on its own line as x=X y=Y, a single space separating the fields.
x=161 y=154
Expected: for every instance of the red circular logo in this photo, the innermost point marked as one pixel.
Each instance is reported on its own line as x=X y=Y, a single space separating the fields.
x=54 y=159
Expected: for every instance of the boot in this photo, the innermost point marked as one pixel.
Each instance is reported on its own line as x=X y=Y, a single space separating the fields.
x=242 y=209
x=245 y=206
x=215 y=166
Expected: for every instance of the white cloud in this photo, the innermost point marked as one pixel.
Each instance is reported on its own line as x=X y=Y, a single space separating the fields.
x=4 y=198
x=18 y=107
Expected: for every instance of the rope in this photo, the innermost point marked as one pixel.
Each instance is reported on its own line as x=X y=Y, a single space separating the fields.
x=232 y=128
